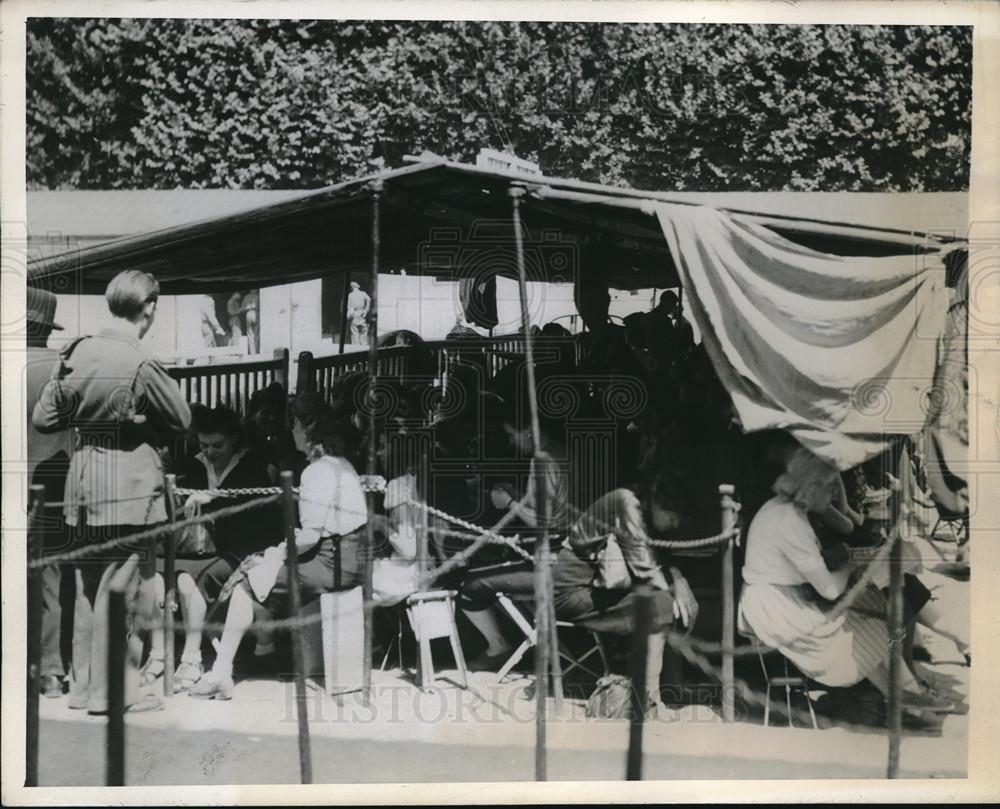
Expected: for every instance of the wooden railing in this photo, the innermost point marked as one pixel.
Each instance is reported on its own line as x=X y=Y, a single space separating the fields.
x=231 y=383
x=320 y=373
x=494 y=353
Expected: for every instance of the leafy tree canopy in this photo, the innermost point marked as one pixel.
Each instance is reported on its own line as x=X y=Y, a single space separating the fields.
x=156 y=103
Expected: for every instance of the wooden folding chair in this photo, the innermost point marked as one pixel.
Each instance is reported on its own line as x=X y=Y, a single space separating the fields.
x=432 y=615
x=566 y=654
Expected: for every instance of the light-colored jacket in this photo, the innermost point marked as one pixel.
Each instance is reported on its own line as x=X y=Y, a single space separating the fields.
x=122 y=404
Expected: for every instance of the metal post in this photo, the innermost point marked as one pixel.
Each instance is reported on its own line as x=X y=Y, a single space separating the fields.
x=423 y=533
x=896 y=628
x=117 y=651
x=543 y=631
x=343 y=310
x=117 y=641
x=728 y=604
x=640 y=701
x=292 y=563
x=36 y=504
x=369 y=555
x=554 y=662
x=169 y=587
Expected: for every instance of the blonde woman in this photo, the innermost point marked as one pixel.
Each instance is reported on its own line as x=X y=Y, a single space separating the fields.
x=788 y=590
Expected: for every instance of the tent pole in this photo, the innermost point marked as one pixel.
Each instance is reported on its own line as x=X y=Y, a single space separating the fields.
x=343 y=309
x=896 y=629
x=543 y=590
x=372 y=437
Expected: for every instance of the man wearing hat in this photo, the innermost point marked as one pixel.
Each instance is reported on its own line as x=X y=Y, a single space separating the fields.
x=358 y=306
x=48 y=463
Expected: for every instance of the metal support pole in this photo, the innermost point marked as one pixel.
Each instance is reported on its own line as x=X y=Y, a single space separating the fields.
x=169 y=587
x=36 y=504
x=728 y=604
x=896 y=628
x=117 y=651
x=423 y=530
x=369 y=555
x=544 y=632
x=292 y=563
x=554 y=662
x=640 y=700
x=343 y=310
x=117 y=640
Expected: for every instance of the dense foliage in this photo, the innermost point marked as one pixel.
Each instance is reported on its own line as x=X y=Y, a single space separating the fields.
x=145 y=103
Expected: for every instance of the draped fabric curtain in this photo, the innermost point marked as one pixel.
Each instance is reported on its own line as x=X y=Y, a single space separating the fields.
x=839 y=351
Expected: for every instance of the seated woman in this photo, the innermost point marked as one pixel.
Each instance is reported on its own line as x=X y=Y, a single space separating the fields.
x=222 y=464
x=332 y=512
x=266 y=431
x=601 y=609
x=515 y=580
x=788 y=590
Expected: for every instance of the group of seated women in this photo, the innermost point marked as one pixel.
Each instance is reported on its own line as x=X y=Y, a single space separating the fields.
x=243 y=580
x=796 y=566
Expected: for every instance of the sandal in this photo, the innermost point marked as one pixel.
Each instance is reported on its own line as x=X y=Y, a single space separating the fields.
x=151 y=672
x=187 y=674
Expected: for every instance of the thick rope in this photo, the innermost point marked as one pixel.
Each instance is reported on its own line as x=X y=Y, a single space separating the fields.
x=495 y=538
x=148 y=535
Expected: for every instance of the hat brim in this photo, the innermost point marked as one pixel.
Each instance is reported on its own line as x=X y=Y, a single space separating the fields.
x=31 y=317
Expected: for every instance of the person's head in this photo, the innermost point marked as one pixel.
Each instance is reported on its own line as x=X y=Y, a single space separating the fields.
x=39 y=313
x=666 y=497
x=808 y=481
x=553 y=329
x=318 y=431
x=355 y=286
x=132 y=297
x=267 y=409
x=218 y=433
x=514 y=416
x=668 y=302
x=593 y=300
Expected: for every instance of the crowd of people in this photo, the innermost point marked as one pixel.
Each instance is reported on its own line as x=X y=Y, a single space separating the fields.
x=115 y=422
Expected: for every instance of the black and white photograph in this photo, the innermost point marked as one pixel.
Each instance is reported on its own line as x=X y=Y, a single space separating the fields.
x=494 y=395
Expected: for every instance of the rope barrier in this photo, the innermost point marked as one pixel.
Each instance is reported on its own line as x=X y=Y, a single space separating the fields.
x=151 y=534
x=369 y=483
x=680 y=544
x=690 y=544
x=499 y=539
x=478 y=536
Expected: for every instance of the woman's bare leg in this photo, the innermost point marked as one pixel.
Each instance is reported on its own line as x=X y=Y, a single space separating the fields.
x=195 y=609
x=489 y=627
x=239 y=618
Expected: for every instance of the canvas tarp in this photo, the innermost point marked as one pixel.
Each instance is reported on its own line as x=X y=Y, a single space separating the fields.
x=839 y=351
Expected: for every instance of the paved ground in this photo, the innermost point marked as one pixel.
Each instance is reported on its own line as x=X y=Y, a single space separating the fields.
x=485 y=733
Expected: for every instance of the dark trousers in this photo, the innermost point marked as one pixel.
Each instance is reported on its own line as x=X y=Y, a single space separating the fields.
x=480 y=588
x=52 y=664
